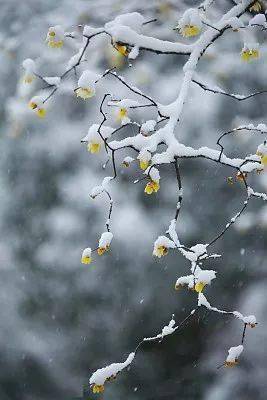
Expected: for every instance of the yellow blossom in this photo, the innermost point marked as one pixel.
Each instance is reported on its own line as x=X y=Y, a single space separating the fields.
x=40 y=111
x=86 y=260
x=250 y=54
x=98 y=388
x=230 y=364
x=199 y=287
x=93 y=147
x=263 y=157
x=143 y=164
x=152 y=187
x=102 y=250
x=161 y=251
x=85 y=93
x=28 y=78
x=122 y=113
x=190 y=30
x=122 y=49
x=53 y=41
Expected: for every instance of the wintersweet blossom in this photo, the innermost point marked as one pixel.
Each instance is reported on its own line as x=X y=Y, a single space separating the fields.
x=87 y=84
x=108 y=373
x=98 y=388
x=203 y=278
x=250 y=52
x=121 y=48
x=121 y=115
x=233 y=355
x=185 y=281
x=37 y=105
x=144 y=157
x=127 y=161
x=55 y=37
x=86 y=256
x=162 y=246
x=94 y=140
x=153 y=185
x=262 y=153
x=251 y=321
x=104 y=243
x=29 y=67
x=190 y=24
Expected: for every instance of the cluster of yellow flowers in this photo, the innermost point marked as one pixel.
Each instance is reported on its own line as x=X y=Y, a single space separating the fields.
x=55 y=37
x=250 y=52
x=37 y=105
x=103 y=246
x=152 y=187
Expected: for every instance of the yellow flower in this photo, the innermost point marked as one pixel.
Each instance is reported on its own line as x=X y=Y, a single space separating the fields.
x=199 y=287
x=122 y=113
x=55 y=44
x=152 y=187
x=143 y=164
x=122 y=49
x=230 y=364
x=86 y=260
x=98 y=388
x=102 y=250
x=86 y=256
x=94 y=147
x=256 y=7
x=85 y=93
x=28 y=78
x=161 y=251
x=40 y=111
x=190 y=30
x=263 y=157
x=250 y=54
x=55 y=37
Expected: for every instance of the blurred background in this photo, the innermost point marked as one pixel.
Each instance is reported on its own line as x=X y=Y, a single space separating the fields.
x=61 y=320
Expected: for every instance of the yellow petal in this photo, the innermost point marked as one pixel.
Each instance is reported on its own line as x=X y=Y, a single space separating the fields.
x=85 y=93
x=41 y=112
x=199 y=286
x=94 y=147
x=190 y=30
x=55 y=44
x=143 y=164
x=123 y=50
x=149 y=188
x=86 y=260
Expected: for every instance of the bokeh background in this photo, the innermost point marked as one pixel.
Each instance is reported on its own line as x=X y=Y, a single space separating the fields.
x=61 y=320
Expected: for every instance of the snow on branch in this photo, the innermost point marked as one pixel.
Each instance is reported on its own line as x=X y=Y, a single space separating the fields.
x=155 y=142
